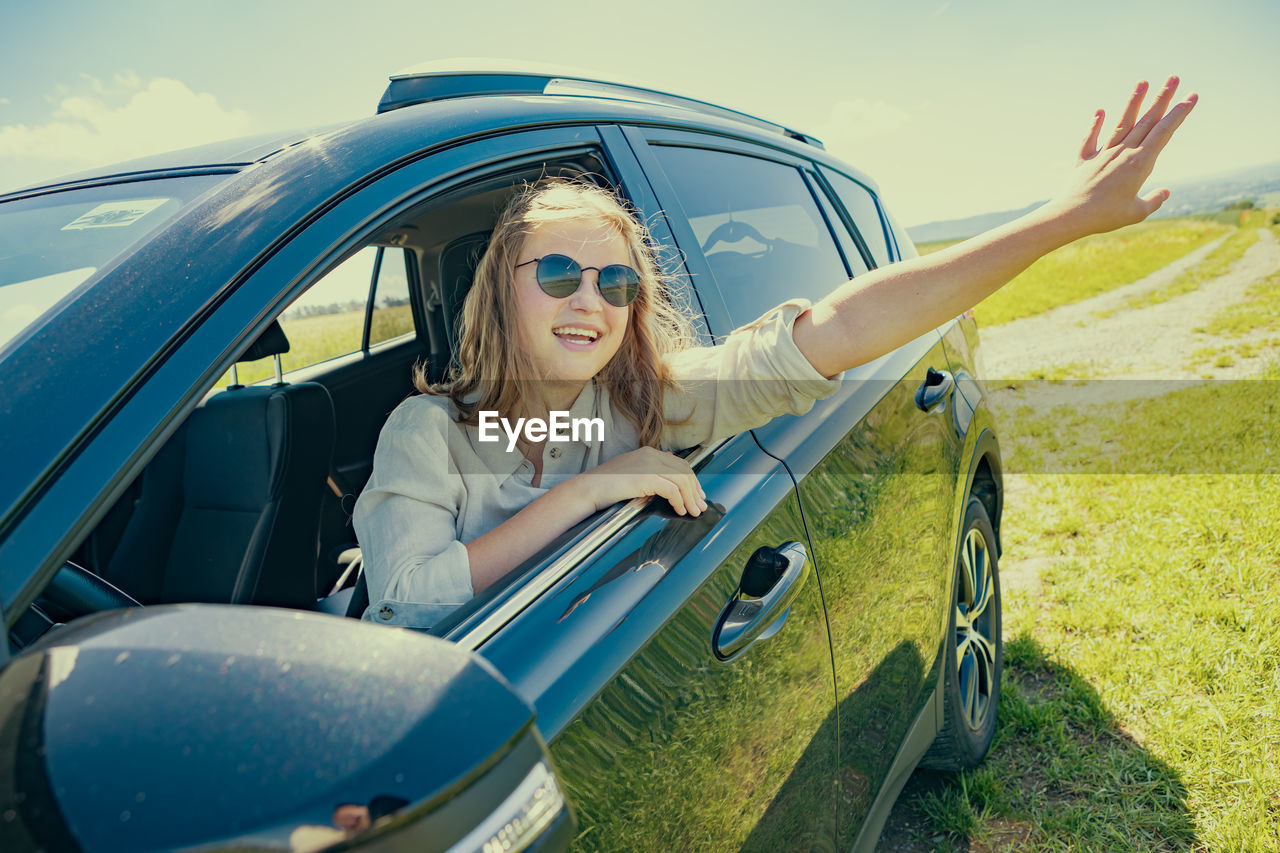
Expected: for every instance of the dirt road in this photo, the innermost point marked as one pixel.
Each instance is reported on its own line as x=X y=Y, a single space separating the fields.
x=1154 y=342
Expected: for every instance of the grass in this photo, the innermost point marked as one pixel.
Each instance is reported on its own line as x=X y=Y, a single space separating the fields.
x=1260 y=311
x=1141 y=708
x=1095 y=265
x=1227 y=356
x=1243 y=218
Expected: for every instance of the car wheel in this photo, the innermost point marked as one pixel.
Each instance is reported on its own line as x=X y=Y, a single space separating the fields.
x=975 y=652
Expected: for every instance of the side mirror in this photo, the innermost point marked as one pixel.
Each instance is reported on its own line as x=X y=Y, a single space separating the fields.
x=246 y=728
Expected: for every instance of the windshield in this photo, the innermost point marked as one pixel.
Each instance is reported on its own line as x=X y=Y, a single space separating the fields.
x=51 y=244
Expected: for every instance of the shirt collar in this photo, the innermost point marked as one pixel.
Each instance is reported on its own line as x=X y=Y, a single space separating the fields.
x=499 y=461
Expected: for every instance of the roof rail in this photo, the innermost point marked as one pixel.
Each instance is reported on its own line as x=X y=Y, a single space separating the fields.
x=461 y=78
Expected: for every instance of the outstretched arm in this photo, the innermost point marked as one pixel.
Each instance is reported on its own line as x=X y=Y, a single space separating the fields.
x=882 y=310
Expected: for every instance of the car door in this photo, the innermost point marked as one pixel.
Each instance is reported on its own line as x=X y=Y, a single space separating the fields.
x=875 y=473
x=660 y=742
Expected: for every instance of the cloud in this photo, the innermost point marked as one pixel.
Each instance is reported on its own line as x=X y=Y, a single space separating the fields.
x=98 y=123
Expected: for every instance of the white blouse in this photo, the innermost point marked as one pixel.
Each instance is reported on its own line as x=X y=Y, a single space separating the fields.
x=435 y=485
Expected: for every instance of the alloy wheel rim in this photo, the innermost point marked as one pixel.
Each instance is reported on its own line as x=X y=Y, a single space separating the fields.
x=975 y=649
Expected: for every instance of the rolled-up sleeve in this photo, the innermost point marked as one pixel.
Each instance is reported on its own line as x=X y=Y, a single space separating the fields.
x=757 y=374
x=415 y=566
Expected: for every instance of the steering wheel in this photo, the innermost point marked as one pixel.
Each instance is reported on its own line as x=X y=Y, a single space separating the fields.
x=75 y=591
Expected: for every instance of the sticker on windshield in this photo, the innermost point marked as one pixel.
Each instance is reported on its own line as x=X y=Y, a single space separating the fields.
x=114 y=214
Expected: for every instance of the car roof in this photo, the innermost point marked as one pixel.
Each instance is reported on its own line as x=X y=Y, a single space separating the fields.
x=505 y=94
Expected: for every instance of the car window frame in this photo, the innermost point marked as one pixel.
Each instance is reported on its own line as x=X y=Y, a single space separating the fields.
x=837 y=228
x=891 y=244
x=820 y=185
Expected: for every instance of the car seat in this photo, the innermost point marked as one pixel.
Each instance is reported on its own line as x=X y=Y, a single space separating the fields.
x=229 y=509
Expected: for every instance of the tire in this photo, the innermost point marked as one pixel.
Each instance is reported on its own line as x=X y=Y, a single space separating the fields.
x=974 y=653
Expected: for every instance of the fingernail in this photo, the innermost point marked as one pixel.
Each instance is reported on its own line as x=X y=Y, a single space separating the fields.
x=1192 y=98
x=702 y=504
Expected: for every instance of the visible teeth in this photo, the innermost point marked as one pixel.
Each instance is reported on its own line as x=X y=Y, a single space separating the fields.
x=576 y=332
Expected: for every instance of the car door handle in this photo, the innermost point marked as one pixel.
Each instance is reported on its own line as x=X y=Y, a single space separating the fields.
x=746 y=620
x=937 y=386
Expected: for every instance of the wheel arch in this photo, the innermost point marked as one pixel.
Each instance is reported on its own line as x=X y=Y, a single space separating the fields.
x=986 y=481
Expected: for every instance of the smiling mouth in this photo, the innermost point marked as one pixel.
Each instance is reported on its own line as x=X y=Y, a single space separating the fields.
x=576 y=335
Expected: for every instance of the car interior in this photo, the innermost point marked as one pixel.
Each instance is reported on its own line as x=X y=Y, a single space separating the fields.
x=249 y=501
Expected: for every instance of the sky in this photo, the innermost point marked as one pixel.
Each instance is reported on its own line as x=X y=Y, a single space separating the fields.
x=955 y=107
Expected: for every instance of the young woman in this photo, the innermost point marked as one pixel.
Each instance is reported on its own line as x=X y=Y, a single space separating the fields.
x=566 y=314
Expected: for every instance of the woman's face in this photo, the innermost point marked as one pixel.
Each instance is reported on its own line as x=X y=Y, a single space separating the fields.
x=571 y=339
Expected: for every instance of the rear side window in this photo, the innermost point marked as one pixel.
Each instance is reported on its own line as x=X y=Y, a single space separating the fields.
x=758 y=227
x=861 y=205
x=329 y=320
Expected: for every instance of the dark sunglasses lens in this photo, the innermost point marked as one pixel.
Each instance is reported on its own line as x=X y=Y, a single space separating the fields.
x=619 y=285
x=559 y=276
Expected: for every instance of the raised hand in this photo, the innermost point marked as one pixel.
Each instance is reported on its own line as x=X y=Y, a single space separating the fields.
x=883 y=309
x=1103 y=191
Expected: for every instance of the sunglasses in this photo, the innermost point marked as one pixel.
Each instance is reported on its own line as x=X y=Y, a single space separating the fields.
x=560 y=276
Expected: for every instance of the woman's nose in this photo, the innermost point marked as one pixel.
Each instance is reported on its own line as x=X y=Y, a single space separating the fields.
x=587 y=296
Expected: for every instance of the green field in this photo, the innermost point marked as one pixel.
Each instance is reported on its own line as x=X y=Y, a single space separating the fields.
x=1141 y=708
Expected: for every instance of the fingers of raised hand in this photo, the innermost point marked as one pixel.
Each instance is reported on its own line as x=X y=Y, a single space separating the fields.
x=1090 y=146
x=1153 y=201
x=1153 y=115
x=1130 y=114
x=1161 y=133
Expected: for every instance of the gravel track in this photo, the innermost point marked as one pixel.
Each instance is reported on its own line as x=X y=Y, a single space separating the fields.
x=1153 y=342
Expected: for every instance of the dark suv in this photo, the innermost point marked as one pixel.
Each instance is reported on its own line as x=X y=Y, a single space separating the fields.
x=764 y=676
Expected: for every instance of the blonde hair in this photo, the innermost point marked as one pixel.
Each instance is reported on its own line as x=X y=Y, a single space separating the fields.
x=490 y=362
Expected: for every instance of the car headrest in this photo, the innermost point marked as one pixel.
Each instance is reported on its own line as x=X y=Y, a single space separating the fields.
x=458 y=262
x=272 y=341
